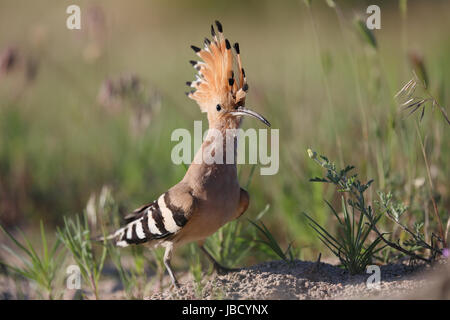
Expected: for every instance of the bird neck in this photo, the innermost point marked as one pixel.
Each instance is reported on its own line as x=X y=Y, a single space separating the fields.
x=220 y=144
x=217 y=155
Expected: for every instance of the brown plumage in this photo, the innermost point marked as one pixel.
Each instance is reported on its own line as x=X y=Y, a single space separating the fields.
x=209 y=195
x=215 y=80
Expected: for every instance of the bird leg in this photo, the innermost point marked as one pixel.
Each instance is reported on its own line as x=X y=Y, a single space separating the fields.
x=167 y=257
x=221 y=270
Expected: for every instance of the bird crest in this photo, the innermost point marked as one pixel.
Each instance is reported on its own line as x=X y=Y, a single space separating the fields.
x=216 y=82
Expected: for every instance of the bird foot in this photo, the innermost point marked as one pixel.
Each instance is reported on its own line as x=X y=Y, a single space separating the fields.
x=175 y=285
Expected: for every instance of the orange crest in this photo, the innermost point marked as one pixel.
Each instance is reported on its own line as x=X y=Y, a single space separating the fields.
x=215 y=82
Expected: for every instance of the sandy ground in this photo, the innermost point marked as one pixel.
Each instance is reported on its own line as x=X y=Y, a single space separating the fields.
x=281 y=280
x=309 y=280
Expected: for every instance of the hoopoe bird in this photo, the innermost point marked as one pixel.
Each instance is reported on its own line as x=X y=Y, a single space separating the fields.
x=209 y=195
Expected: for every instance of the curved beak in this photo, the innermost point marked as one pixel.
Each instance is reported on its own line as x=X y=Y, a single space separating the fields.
x=242 y=111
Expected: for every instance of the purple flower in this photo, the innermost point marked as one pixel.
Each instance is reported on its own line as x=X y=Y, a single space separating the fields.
x=446 y=252
x=8 y=59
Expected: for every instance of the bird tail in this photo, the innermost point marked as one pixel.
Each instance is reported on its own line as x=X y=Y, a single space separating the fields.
x=154 y=221
x=116 y=236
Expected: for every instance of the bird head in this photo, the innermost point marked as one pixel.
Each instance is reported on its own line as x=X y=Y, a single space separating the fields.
x=218 y=89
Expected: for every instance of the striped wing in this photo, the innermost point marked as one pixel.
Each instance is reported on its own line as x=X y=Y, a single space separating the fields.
x=157 y=220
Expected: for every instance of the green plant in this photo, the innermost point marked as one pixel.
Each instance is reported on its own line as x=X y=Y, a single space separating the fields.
x=195 y=267
x=394 y=211
x=415 y=95
x=76 y=237
x=42 y=268
x=127 y=278
x=134 y=280
x=269 y=241
x=158 y=264
x=354 y=190
x=352 y=244
x=230 y=245
x=139 y=272
x=366 y=33
x=105 y=209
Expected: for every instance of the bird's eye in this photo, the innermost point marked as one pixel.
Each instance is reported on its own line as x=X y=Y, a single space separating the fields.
x=218 y=107
x=236 y=107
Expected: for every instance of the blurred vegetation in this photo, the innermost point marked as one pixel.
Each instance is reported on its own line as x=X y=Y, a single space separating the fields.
x=83 y=109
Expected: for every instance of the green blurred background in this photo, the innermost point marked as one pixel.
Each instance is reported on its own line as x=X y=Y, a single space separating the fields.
x=65 y=131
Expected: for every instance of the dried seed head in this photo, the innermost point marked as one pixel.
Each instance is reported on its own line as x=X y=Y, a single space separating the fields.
x=417 y=62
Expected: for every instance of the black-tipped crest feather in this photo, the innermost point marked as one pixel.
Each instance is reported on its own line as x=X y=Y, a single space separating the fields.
x=219 y=26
